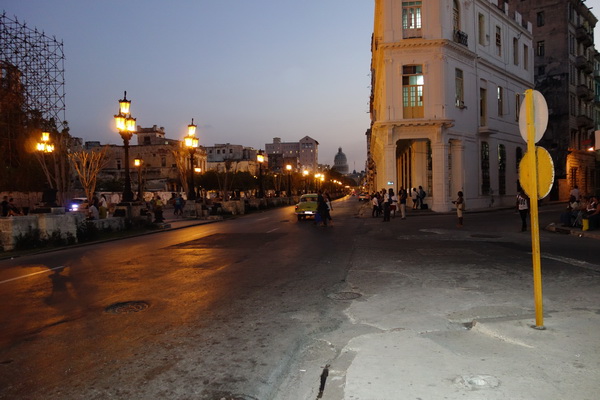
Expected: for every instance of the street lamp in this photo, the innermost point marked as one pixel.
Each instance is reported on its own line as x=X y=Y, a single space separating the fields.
x=44 y=145
x=191 y=142
x=289 y=170
x=260 y=158
x=126 y=127
x=138 y=163
x=198 y=171
x=305 y=175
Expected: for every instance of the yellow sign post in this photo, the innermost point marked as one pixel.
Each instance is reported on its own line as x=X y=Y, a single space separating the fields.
x=536 y=175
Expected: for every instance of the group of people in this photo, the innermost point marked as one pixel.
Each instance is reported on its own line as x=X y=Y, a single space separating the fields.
x=386 y=202
x=9 y=209
x=98 y=208
x=579 y=209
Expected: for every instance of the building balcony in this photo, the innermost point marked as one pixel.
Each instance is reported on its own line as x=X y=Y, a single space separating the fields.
x=585 y=93
x=583 y=121
x=461 y=37
x=582 y=63
x=583 y=36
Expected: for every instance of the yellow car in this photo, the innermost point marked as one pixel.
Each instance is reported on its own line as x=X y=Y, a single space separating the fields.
x=307 y=206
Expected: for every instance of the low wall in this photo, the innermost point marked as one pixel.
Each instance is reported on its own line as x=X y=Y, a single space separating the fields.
x=50 y=226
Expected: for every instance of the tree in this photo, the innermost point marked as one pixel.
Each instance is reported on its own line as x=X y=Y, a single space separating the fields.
x=87 y=164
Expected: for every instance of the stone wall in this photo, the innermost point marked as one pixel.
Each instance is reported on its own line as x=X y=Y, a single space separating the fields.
x=63 y=226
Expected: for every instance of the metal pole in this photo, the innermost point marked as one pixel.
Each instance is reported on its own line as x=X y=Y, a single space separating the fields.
x=535 y=229
x=127 y=193
x=191 y=194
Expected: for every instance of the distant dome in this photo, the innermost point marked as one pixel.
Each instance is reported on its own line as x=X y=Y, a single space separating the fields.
x=340 y=162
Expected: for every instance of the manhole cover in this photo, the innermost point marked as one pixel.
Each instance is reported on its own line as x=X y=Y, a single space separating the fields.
x=344 y=296
x=485 y=236
x=127 y=307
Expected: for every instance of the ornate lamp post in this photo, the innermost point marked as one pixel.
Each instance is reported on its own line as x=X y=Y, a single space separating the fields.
x=126 y=127
x=260 y=158
x=288 y=167
x=191 y=142
x=138 y=162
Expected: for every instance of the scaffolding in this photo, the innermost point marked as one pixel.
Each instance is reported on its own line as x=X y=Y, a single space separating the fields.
x=41 y=62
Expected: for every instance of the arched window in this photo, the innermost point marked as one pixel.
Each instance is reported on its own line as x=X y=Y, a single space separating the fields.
x=485 y=168
x=501 y=169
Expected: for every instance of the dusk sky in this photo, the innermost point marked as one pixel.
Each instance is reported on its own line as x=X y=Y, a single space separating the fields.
x=246 y=70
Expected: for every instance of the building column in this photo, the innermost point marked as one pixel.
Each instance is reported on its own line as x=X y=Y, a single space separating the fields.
x=441 y=201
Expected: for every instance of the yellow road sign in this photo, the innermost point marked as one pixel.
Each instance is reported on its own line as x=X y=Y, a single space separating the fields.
x=545 y=172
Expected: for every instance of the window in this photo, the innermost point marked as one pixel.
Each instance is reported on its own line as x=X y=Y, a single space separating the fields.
x=572 y=45
x=515 y=51
x=482 y=107
x=456 y=16
x=118 y=164
x=412 y=91
x=411 y=18
x=500 y=95
x=572 y=74
x=541 y=48
x=481 y=26
x=526 y=57
x=163 y=161
x=498 y=41
x=540 y=18
x=460 y=91
x=517 y=106
x=573 y=103
x=485 y=168
x=501 y=169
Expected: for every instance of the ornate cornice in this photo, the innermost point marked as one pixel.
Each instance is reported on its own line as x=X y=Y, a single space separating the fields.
x=423 y=43
x=443 y=123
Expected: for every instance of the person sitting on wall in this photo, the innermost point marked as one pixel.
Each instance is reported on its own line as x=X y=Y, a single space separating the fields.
x=569 y=217
x=13 y=210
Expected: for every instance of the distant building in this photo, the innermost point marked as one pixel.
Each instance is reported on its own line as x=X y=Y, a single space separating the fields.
x=340 y=162
x=231 y=158
x=303 y=154
x=159 y=169
x=567 y=73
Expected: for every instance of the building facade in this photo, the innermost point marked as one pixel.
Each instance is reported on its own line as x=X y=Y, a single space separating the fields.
x=302 y=155
x=448 y=78
x=567 y=74
x=159 y=169
x=231 y=158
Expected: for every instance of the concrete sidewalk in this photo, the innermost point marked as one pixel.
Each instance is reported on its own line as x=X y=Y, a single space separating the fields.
x=428 y=326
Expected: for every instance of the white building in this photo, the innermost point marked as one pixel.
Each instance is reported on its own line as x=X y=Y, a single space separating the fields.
x=448 y=78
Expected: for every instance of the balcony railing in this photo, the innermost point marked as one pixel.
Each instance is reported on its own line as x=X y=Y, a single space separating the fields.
x=583 y=36
x=461 y=37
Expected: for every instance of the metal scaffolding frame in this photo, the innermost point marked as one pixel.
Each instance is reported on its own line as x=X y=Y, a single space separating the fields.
x=41 y=62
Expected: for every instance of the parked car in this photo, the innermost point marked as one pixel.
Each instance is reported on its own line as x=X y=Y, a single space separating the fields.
x=363 y=197
x=307 y=207
x=78 y=203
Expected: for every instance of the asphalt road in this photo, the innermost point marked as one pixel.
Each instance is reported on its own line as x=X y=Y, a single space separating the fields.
x=228 y=310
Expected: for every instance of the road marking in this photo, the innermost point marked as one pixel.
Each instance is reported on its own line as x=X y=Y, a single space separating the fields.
x=261 y=219
x=571 y=261
x=272 y=230
x=32 y=274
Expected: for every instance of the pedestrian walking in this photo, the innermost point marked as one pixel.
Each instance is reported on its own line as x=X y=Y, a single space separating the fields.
x=422 y=195
x=375 y=204
x=460 y=207
x=402 y=195
x=387 y=199
x=322 y=208
x=414 y=196
x=523 y=207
